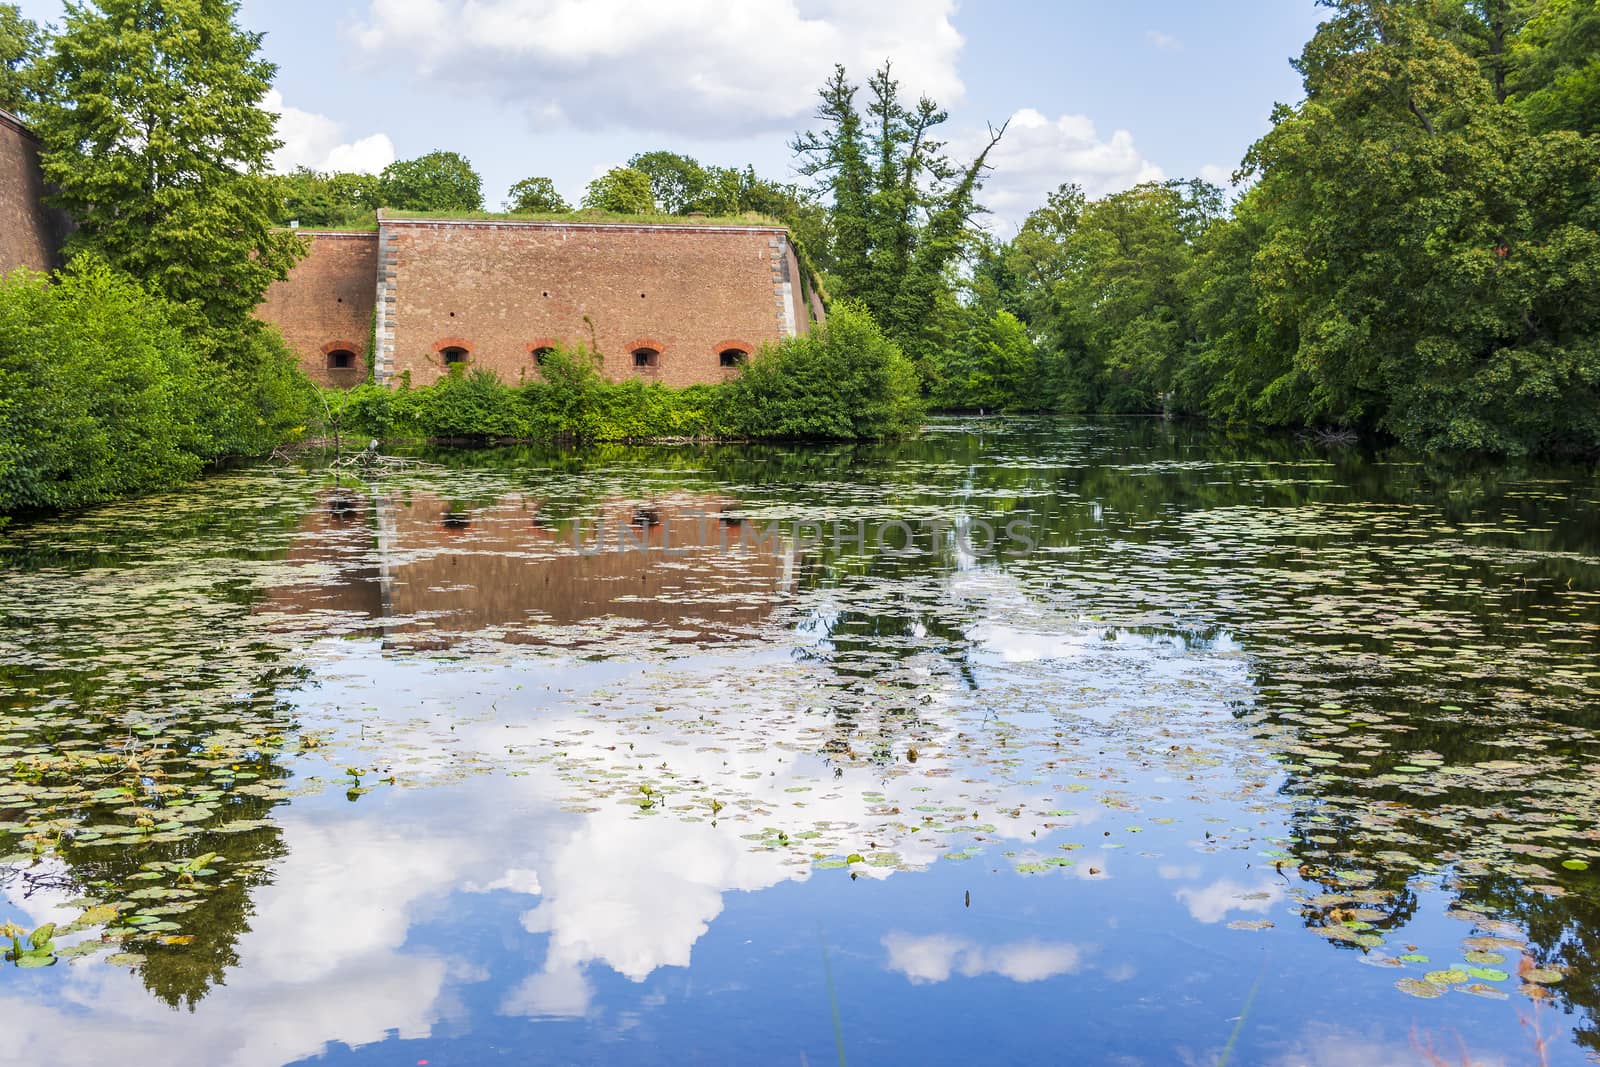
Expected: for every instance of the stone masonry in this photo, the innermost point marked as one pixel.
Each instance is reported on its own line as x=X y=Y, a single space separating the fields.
x=325 y=307
x=30 y=233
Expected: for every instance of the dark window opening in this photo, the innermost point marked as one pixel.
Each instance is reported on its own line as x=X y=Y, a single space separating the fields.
x=732 y=357
x=341 y=359
x=645 y=358
x=539 y=354
x=456 y=520
x=454 y=355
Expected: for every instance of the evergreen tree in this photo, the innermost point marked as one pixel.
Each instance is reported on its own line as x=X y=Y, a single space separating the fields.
x=902 y=210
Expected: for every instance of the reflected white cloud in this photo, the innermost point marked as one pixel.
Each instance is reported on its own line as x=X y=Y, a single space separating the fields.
x=1215 y=902
x=934 y=958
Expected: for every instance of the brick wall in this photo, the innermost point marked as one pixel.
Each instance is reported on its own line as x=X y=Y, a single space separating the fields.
x=499 y=290
x=326 y=304
x=30 y=234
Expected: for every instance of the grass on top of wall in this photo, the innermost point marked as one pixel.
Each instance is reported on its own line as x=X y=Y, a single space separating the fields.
x=588 y=215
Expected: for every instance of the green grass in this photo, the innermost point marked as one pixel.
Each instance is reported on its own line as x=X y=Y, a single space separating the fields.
x=750 y=218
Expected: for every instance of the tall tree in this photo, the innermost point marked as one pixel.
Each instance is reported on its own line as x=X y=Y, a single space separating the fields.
x=438 y=181
x=312 y=198
x=623 y=190
x=902 y=210
x=678 y=184
x=536 y=195
x=1434 y=262
x=1556 y=68
x=153 y=133
x=22 y=46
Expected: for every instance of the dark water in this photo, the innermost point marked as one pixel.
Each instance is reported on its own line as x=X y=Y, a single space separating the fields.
x=1113 y=742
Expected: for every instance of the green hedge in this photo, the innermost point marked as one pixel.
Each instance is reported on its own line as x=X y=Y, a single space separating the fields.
x=844 y=381
x=107 y=390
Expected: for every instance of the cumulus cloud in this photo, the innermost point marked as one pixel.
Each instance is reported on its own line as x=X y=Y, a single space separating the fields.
x=934 y=958
x=317 y=141
x=1039 y=153
x=700 y=67
x=1164 y=41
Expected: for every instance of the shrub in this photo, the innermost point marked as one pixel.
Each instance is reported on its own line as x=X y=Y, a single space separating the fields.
x=108 y=390
x=844 y=380
x=99 y=391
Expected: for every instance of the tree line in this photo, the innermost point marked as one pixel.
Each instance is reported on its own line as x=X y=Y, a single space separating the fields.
x=1414 y=255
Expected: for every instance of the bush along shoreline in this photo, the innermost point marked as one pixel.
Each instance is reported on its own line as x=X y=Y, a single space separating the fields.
x=845 y=381
x=109 y=390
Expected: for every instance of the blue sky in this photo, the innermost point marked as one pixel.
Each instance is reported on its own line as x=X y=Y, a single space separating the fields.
x=1101 y=94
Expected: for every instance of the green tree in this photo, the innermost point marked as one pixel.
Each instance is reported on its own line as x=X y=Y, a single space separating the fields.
x=1556 y=66
x=1434 y=262
x=993 y=367
x=536 y=195
x=315 y=199
x=438 y=181
x=22 y=46
x=622 y=190
x=1122 y=310
x=153 y=132
x=678 y=184
x=902 y=210
x=101 y=391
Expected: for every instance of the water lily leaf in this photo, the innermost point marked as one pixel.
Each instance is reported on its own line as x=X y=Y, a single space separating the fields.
x=1417 y=987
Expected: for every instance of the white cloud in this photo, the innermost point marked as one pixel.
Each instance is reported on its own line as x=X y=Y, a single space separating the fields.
x=1164 y=41
x=316 y=141
x=703 y=67
x=1039 y=153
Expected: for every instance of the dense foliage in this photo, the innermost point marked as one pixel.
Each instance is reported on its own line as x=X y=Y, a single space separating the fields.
x=333 y=200
x=22 y=45
x=438 y=181
x=844 y=381
x=623 y=190
x=1418 y=256
x=536 y=195
x=105 y=392
x=153 y=133
x=141 y=363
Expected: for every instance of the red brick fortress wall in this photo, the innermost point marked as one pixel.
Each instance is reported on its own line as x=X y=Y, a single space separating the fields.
x=30 y=233
x=326 y=304
x=502 y=289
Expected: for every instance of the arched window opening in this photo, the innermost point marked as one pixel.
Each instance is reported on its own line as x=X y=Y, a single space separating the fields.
x=453 y=355
x=341 y=359
x=646 y=359
x=732 y=357
x=541 y=353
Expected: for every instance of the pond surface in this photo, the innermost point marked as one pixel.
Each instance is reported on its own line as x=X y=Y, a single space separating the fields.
x=1100 y=742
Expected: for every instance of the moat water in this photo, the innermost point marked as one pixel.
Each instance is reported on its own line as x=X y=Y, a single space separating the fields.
x=1094 y=742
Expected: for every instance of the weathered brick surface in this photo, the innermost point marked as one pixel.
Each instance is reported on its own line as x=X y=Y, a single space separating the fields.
x=326 y=304
x=503 y=289
x=30 y=233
